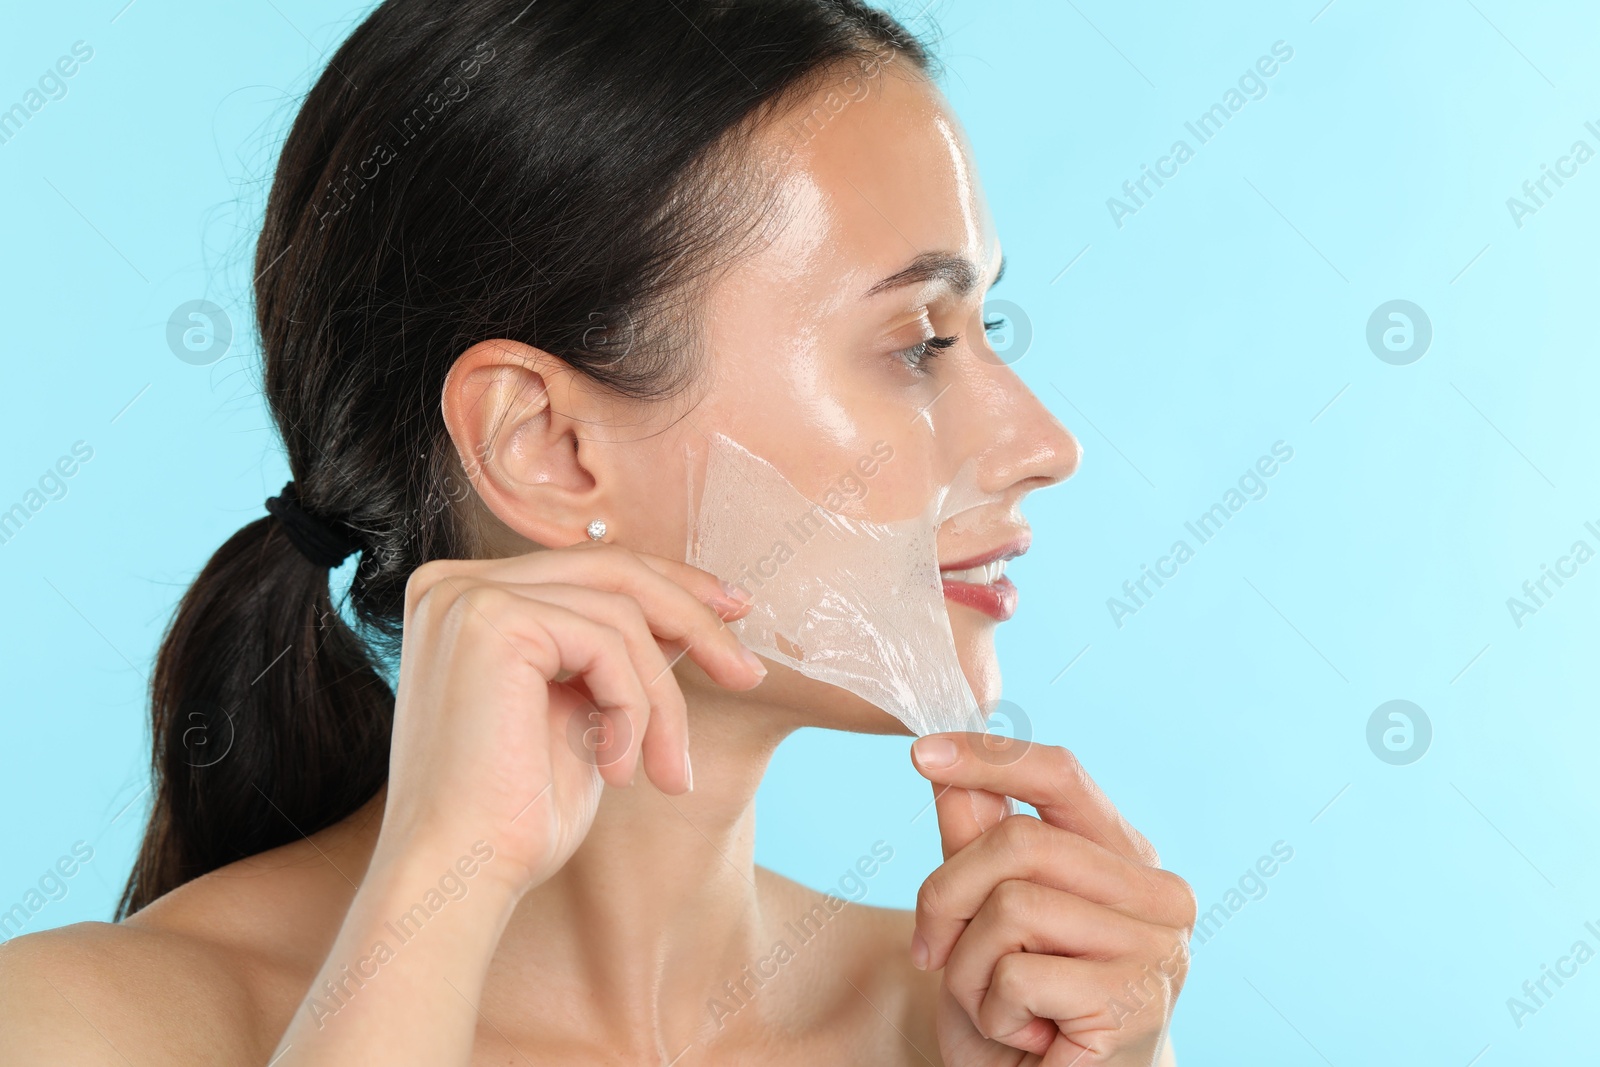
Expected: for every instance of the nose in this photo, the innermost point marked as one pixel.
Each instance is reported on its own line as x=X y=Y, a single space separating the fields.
x=1020 y=445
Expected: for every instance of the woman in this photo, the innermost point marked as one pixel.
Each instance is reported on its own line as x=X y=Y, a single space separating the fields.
x=519 y=261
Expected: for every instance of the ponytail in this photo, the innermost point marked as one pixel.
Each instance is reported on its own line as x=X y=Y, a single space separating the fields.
x=269 y=720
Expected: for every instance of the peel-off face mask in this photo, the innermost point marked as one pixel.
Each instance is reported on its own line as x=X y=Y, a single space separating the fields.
x=854 y=603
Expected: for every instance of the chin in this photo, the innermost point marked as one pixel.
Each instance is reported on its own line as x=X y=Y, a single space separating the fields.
x=975 y=651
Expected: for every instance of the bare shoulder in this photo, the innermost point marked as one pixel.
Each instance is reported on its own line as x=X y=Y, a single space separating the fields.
x=853 y=961
x=209 y=973
x=113 y=993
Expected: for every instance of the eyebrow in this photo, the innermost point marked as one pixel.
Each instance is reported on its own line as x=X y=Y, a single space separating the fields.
x=958 y=272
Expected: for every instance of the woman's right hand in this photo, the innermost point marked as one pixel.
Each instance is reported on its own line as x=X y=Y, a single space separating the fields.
x=526 y=683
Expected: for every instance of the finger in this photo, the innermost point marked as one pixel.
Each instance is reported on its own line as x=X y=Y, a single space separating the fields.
x=553 y=639
x=704 y=585
x=1023 y=916
x=682 y=604
x=1096 y=1006
x=1023 y=847
x=728 y=601
x=964 y=814
x=665 y=746
x=1046 y=776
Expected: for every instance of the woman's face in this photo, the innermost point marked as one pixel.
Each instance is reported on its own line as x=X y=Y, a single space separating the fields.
x=819 y=361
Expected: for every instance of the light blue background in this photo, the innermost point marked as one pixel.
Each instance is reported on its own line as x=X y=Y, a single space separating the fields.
x=1229 y=313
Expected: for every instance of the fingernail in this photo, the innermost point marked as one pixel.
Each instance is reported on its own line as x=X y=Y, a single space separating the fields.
x=753 y=661
x=735 y=593
x=934 y=751
x=688 y=771
x=919 y=952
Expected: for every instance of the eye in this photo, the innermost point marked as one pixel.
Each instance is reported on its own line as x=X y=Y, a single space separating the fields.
x=994 y=325
x=920 y=353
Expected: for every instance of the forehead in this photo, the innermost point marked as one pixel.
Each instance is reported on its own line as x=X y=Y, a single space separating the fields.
x=871 y=170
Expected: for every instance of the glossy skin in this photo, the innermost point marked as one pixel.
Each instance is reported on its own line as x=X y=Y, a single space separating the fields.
x=599 y=917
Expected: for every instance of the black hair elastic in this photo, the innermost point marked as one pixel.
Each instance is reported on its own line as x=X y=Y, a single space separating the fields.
x=323 y=543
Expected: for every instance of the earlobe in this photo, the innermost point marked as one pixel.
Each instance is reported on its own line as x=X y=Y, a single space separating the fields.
x=509 y=411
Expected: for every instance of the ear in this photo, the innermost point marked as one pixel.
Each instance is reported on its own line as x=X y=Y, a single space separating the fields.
x=516 y=415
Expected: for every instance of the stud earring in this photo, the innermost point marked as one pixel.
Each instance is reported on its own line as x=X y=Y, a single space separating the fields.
x=597 y=530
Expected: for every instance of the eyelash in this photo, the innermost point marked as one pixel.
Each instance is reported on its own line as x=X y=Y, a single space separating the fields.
x=919 y=354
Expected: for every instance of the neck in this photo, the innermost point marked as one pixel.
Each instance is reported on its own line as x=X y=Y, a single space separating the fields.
x=659 y=906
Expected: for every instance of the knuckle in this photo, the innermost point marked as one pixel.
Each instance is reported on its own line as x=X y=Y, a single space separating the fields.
x=487 y=605
x=436 y=599
x=614 y=639
x=422 y=581
x=1143 y=848
x=1184 y=903
x=620 y=555
x=1021 y=836
x=1066 y=765
x=1010 y=977
x=482 y=612
x=619 y=606
x=1014 y=899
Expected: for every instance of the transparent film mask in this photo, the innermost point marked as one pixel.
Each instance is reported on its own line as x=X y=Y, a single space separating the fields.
x=853 y=603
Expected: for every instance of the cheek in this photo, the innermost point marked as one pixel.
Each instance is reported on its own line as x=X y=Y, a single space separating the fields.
x=650 y=495
x=848 y=440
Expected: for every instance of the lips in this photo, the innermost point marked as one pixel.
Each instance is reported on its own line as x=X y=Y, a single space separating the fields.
x=980 y=583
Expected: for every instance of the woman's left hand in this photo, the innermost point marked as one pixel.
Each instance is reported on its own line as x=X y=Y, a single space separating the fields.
x=1063 y=942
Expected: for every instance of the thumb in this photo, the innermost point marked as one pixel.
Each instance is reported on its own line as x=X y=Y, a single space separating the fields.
x=963 y=813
